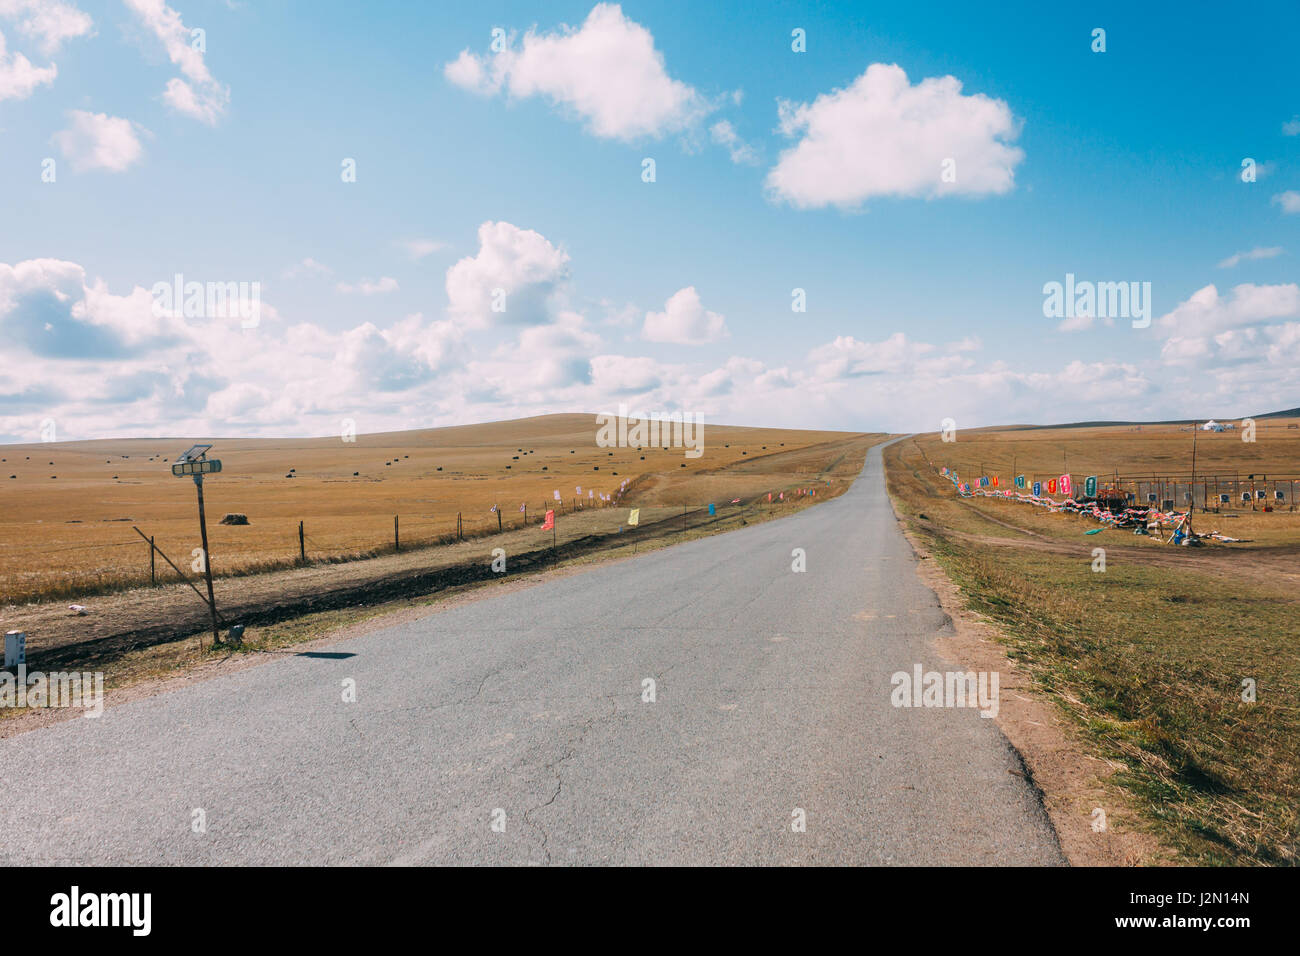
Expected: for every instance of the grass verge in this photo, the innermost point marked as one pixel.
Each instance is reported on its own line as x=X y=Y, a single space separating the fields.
x=1147 y=662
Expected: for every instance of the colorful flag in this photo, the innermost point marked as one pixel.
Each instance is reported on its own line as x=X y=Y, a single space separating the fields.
x=1051 y=486
x=1038 y=488
x=549 y=523
x=1064 y=484
x=712 y=510
x=769 y=496
x=492 y=510
x=735 y=501
x=578 y=490
x=634 y=517
x=557 y=494
x=523 y=507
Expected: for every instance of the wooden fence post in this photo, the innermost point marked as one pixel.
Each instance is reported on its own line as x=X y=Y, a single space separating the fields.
x=397 y=541
x=153 y=574
x=302 y=545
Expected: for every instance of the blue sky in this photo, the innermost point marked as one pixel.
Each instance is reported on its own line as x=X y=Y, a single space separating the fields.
x=218 y=156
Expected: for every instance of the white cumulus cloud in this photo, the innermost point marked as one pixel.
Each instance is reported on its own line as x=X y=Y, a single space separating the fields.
x=517 y=270
x=99 y=141
x=18 y=76
x=1228 y=336
x=1206 y=312
x=882 y=136
x=684 y=321
x=48 y=22
x=607 y=72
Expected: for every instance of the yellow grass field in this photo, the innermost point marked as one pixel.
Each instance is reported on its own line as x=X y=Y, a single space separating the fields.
x=66 y=518
x=1160 y=454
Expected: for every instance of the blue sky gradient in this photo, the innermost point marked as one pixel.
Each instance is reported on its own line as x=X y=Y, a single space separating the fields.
x=919 y=307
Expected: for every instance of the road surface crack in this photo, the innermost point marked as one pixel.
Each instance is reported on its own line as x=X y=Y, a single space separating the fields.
x=571 y=751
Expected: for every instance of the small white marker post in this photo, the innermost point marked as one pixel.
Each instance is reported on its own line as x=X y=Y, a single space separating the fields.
x=15 y=649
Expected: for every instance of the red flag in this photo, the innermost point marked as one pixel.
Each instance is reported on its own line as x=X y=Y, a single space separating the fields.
x=769 y=496
x=550 y=521
x=1051 y=486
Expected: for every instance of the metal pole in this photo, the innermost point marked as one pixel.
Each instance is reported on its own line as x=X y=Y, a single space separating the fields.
x=153 y=561
x=498 y=507
x=397 y=540
x=207 y=561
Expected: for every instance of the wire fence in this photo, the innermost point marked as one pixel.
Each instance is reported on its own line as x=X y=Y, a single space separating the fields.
x=409 y=533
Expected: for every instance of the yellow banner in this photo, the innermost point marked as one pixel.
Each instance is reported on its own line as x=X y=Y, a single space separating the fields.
x=634 y=517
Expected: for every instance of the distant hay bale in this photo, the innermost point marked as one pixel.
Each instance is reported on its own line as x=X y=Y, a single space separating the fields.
x=235 y=518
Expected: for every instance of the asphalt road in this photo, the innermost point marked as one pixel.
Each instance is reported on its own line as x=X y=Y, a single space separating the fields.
x=772 y=696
